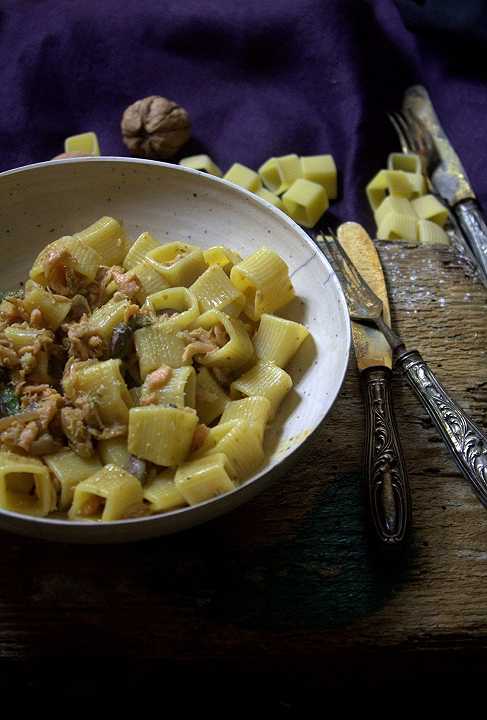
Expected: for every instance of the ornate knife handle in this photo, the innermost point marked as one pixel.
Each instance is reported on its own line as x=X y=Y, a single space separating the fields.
x=389 y=497
x=462 y=437
x=474 y=228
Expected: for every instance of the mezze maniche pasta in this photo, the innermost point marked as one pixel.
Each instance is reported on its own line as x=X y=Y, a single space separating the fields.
x=138 y=378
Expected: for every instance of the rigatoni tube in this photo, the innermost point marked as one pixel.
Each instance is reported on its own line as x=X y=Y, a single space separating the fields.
x=263 y=278
x=265 y=379
x=162 y=493
x=25 y=485
x=277 y=339
x=203 y=479
x=162 y=435
x=107 y=495
x=214 y=291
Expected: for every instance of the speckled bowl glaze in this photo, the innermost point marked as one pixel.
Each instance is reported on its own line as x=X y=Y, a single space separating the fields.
x=39 y=203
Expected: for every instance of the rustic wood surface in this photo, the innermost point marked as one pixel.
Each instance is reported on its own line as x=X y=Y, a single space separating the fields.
x=289 y=583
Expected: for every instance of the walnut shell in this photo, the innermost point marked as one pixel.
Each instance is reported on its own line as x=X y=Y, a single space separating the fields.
x=155 y=127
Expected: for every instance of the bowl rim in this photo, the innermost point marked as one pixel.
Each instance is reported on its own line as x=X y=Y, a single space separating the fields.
x=91 y=525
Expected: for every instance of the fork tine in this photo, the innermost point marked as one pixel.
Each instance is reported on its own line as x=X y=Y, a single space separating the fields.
x=403 y=142
x=423 y=142
x=363 y=304
x=410 y=136
x=329 y=248
x=336 y=261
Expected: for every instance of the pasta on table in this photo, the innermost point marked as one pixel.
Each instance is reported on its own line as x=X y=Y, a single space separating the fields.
x=136 y=379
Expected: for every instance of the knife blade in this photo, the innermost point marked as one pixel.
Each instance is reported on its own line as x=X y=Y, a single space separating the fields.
x=389 y=500
x=448 y=176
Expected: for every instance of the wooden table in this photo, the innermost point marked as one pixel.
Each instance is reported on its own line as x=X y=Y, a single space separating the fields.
x=288 y=587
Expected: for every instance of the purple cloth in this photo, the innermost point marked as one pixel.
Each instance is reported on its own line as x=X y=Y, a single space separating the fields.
x=258 y=77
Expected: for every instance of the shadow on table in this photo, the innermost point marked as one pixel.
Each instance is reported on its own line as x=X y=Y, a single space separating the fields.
x=327 y=576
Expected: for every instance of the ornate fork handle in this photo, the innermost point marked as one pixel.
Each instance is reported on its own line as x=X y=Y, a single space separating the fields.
x=463 y=438
x=474 y=228
x=389 y=498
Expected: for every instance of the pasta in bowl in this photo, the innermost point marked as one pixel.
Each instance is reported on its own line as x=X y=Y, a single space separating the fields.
x=144 y=374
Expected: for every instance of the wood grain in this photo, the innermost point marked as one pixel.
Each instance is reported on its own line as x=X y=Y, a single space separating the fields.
x=289 y=581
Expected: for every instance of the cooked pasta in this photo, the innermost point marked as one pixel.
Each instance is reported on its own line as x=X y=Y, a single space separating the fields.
x=157 y=345
x=178 y=390
x=179 y=263
x=53 y=308
x=211 y=398
x=222 y=256
x=263 y=279
x=203 y=479
x=234 y=349
x=108 y=238
x=150 y=280
x=253 y=410
x=214 y=291
x=168 y=448
x=114 y=451
x=84 y=262
x=25 y=485
x=139 y=250
x=140 y=378
x=69 y=469
x=277 y=339
x=240 y=441
x=162 y=493
x=109 y=494
x=103 y=383
x=105 y=319
x=175 y=307
x=265 y=379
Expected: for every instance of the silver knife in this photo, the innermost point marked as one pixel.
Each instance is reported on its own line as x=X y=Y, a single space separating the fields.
x=447 y=174
x=388 y=493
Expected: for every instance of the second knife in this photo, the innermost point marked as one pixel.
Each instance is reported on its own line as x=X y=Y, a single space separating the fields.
x=446 y=172
x=388 y=491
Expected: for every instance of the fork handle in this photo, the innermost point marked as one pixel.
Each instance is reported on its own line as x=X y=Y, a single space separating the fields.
x=474 y=228
x=389 y=498
x=462 y=437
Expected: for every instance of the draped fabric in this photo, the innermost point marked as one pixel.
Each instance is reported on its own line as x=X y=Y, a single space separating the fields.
x=258 y=77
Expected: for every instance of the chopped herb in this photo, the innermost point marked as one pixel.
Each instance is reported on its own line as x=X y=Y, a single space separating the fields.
x=6 y=294
x=139 y=321
x=9 y=402
x=122 y=335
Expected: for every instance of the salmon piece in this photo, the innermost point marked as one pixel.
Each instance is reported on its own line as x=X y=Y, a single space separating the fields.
x=199 y=436
x=157 y=379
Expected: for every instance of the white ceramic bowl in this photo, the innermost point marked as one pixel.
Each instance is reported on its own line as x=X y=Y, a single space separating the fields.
x=39 y=203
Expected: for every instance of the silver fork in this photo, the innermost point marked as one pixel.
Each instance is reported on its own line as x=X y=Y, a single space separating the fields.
x=463 y=438
x=363 y=304
x=414 y=137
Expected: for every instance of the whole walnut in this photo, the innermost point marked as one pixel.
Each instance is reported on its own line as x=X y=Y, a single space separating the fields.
x=155 y=127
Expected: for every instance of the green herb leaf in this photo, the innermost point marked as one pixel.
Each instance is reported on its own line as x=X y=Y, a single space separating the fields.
x=6 y=294
x=9 y=402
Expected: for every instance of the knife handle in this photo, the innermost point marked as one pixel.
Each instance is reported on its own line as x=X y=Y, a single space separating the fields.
x=462 y=437
x=474 y=228
x=389 y=498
